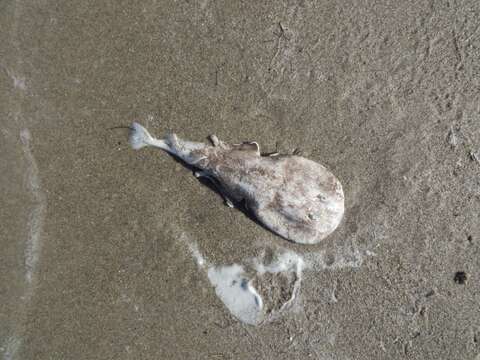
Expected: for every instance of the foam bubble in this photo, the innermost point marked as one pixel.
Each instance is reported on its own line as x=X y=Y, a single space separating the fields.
x=237 y=293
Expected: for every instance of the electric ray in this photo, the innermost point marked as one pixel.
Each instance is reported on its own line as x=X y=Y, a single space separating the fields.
x=292 y=196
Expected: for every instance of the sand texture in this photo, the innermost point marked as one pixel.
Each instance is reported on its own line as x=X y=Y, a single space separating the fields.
x=111 y=253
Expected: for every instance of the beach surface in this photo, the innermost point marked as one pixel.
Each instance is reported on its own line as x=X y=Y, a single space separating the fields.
x=111 y=253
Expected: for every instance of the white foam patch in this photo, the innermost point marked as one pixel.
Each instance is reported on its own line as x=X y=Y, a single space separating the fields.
x=231 y=285
x=237 y=293
x=234 y=286
x=37 y=214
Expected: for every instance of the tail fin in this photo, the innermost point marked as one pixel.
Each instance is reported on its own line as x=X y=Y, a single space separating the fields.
x=139 y=137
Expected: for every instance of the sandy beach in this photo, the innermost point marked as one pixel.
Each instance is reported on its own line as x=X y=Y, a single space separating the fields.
x=112 y=253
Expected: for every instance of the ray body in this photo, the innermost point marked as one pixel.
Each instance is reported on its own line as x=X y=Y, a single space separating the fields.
x=292 y=196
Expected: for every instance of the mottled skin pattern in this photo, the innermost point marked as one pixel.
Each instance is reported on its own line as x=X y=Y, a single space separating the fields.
x=294 y=197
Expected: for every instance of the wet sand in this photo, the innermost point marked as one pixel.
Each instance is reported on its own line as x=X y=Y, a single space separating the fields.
x=97 y=239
